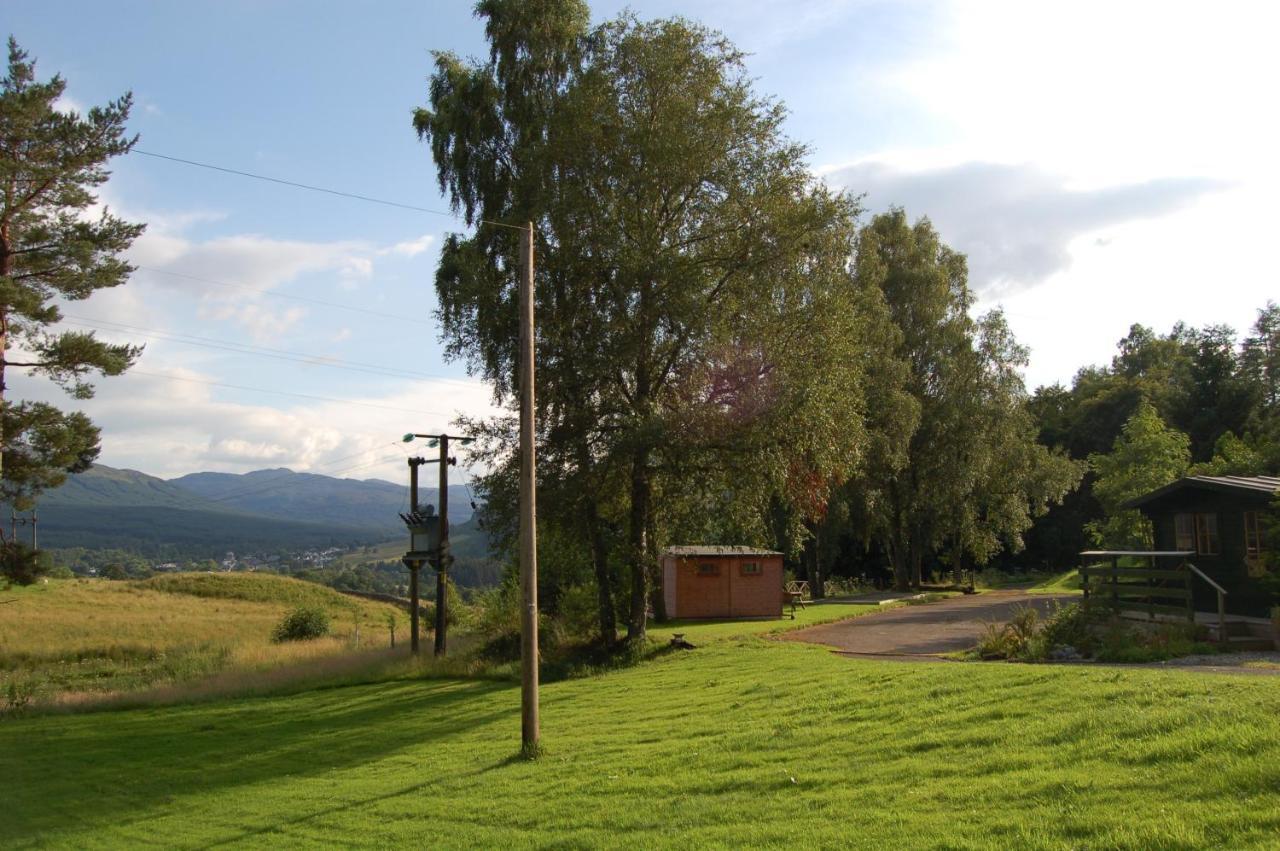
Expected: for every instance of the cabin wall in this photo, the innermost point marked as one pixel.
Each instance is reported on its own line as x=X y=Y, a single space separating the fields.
x=1245 y=595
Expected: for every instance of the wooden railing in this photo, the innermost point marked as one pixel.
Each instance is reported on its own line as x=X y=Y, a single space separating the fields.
x=1152 y=590
x=1222 y=600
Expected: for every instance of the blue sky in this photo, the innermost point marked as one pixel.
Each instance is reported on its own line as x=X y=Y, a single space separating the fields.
x=1101 y=164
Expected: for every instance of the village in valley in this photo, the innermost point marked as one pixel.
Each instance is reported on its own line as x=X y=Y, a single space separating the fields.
x=539 y=424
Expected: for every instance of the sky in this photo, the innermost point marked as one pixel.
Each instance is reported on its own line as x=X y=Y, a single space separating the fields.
x=1101 y=164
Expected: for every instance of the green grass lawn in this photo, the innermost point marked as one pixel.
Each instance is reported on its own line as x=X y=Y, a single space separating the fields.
x=708 y=630
x=744 y=742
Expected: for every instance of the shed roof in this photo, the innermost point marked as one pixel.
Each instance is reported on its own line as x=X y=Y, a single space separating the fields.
x=697 y=550
x=1262 y=485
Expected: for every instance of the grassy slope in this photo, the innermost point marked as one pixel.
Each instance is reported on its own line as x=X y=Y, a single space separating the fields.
x=741 y=742
x=99 y=635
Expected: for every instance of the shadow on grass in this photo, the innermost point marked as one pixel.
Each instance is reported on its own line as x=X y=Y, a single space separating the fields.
x=132 y=764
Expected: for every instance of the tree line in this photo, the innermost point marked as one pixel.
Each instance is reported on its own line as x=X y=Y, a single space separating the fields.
x=727 y=352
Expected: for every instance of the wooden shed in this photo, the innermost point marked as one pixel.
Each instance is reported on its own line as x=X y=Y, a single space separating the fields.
x=1219 y=519
x=722 y=582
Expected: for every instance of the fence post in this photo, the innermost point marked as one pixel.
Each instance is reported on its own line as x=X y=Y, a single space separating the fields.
x=1115 y=586
x=1222 y=618
x=1186 y=584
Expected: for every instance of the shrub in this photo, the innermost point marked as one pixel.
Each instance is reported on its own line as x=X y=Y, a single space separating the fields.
x=1067 y=626
x=18 y=695
x=579 y=612
x=302 y=624
x=20 y=564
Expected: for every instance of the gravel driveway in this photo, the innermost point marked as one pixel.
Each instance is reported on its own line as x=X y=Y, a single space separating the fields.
x=924 y=631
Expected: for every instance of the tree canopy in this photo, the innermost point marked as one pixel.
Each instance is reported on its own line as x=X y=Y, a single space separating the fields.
x=725 y=355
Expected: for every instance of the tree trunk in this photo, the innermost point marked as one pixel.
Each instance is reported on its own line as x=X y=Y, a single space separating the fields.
x=641 y=491
x=901 y=568
x=600 y=561
x=6 y=268
x=812 y=559
x=917 y=558
x=957 y=561
x=657 y=600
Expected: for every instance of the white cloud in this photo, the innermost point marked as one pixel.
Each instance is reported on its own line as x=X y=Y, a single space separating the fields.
x=168 y=423
x=1015 y=222
x=411 y=247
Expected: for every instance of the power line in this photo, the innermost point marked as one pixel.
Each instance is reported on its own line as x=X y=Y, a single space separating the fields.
x=323 y=189
x=286 y=393
x=256 y=351
x=368 y=311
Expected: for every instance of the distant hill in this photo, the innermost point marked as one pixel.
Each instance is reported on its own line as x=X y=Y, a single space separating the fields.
x=368 y=503
x=207 y=514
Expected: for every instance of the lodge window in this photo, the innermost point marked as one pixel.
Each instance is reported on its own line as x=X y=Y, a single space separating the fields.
x=1253 y=545
x=1252 y=537
x=1184 y=532
x=1196 y=532
x=708 y=569
x=1207 y=534
x=750 y=568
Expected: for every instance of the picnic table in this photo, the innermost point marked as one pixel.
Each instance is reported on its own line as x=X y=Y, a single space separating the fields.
x=796 y=593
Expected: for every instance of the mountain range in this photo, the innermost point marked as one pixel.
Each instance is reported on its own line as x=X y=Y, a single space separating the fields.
x=203 y=514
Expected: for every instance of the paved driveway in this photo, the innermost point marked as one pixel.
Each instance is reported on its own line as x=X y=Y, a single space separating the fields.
x=924 y=631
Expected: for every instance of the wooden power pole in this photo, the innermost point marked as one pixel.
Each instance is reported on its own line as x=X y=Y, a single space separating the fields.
x=529 y=727
x=414 y=566
x=442 y=564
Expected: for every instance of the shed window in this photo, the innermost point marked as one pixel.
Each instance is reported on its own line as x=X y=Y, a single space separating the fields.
x=751 y=568
x=1184 y=532
x=1207 y=534
x=708 y=568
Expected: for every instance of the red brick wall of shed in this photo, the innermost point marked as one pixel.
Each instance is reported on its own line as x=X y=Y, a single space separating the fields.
x=728 y=595
x=760 y=595
x=702 y=596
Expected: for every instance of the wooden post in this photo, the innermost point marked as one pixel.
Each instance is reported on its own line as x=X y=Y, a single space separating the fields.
x=529 y=727
x=442 y=564
x=1222 y=619
x=1115 y=583
x=414 y=567
x=1186 y=584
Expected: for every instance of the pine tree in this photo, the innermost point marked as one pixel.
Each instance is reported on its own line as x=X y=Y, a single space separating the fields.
x=53 y=245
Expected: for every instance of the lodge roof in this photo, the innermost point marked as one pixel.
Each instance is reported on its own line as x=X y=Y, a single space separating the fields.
x=1263 y=485
x=696 y=550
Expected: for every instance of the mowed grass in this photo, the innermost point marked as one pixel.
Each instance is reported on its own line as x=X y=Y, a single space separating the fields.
x=96 y=635
x=709 y=630
x=737 y=744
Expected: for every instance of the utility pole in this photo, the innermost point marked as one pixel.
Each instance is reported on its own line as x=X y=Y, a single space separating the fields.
x=414 y=566
x=442 y=557
x=439 y=555
x=529 y=727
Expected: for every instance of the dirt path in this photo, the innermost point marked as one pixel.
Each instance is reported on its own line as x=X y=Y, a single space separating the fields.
x=925 y=631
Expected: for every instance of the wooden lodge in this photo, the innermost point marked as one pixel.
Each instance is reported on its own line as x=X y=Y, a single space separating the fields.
x=1217 y=521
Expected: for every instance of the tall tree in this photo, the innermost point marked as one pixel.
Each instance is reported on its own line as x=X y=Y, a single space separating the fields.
x=973 y=476
x=1147 y=455
x=52 y=246
x=677 y=228
x=923 y=282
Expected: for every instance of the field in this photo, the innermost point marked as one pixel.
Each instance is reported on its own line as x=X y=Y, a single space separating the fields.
x=96 y=635
x=744 y=741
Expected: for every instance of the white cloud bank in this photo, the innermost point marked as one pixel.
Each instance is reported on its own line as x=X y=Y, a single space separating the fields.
x=1015 y=222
